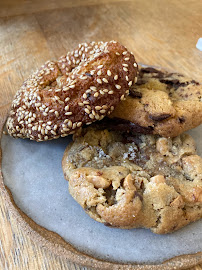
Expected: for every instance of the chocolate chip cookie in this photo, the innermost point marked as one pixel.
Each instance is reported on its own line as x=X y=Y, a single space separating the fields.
x=129 y=181
x=162 y=103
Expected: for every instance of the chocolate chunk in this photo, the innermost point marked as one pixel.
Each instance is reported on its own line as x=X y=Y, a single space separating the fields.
x=159 y=117
x=123 y=126
x=194 y=82
x=181 y=119
x=175 y=83
x=149 y=70
x=135 y=94
x=140 y=81
x=158 y=73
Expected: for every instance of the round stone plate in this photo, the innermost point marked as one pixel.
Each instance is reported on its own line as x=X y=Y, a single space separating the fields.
x=36 y=193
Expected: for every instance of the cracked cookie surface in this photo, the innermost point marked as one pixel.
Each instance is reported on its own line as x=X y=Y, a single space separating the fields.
x=130 y=181
x=162 y=103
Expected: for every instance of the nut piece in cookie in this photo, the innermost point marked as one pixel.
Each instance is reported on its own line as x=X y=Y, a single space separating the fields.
x=129 y=181
x=165 y=103
x=81 y=87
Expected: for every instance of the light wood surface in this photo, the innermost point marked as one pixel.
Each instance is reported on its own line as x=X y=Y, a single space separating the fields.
x=159 y=32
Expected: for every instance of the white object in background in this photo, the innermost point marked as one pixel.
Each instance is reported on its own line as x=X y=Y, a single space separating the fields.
x=199 y=44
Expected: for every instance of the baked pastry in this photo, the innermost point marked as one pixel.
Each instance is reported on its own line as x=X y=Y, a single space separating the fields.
x=162 y=103
x=129 y=181
x=80 y=88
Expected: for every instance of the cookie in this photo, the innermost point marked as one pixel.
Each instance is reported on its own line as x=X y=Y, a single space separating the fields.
x=130 y=181
x=162 y=103
x=80 y=88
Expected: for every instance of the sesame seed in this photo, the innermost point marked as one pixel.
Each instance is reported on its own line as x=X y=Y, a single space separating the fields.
x=65 y=88
x=42 y=131
x=83 y=77
x=104 y=107
x=101 y=92
x=67 y=108
x=135 y=80
x=91 y=116
x=92 y=72
x=88 y=107
x=127 y=78
x=112 y=108
x=96 y=94
x=48 y=127
x=105 y=90
x=55 y=127
x=45 y=114
x=109 y=72
x=56 y=113
x=99 y=81
x=100 y=66
x=116 y=77
x=111 y=92
x=99 y=72
x=122 y=97
x=74 y=126
x=124 y=53
x=51 y=111
x=126 y=59
x=68 y=113
x=85 y=102
x=38 y=104
x=130 y=83
x=98 y=108
x=93 y=88
x=53 y=132
x=67 y=99
x=118 y=86
x=72 y=86
x=105 y=80
x=135 y=64
x=87 y=110
x=125 y=65
x=70 y=123
x=60 y=101
x=79 y=124
x=88 y=91
x=125 y=69
x=117 y=53
x=80 y=104
x=84 y=95
x=102 y=111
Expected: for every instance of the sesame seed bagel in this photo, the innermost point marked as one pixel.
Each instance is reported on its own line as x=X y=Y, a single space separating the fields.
x=80 y=88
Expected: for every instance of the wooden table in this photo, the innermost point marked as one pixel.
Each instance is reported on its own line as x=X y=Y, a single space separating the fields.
x=159 y=32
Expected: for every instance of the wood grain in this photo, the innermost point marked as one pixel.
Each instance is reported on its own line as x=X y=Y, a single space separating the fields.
x=161 y=32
